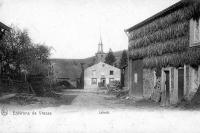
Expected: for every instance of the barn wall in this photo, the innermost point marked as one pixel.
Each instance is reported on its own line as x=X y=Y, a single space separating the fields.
x=165 y=43
x=136 y=78
x=174 y=86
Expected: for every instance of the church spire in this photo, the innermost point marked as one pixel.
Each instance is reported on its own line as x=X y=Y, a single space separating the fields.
x=100 y=45
x=100 y=55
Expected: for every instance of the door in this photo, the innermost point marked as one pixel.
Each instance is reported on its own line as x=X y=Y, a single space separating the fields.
x=180 y=83
x=103 y=81
x=167 y=85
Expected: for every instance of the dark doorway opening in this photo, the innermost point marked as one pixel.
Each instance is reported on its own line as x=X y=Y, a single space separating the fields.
x=180 y=83
x=103 y=81
x=167 y=85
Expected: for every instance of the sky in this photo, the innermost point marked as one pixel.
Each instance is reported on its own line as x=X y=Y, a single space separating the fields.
x=73 y=27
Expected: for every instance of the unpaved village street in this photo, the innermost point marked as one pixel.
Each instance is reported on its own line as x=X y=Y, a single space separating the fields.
x=92 y=100
x=90 y=112
x=100 y=100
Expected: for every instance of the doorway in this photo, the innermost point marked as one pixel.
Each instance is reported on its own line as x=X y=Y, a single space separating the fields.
x=167 y=85
x=180 y=83
x=103 y=81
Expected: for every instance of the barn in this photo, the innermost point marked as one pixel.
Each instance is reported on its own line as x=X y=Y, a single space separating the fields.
x=164 y=54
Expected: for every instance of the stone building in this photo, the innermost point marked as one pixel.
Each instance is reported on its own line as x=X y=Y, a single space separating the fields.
x=99 y=75
x=164 y=54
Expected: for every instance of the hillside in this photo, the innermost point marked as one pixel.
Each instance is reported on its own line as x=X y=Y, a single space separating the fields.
x=71 y=68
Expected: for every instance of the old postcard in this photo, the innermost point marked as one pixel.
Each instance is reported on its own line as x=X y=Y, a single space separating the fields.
x=99 y=66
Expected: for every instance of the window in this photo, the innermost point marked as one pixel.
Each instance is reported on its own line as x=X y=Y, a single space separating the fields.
x=196 y=31
x=111 y=80
x=94 y=81
x=111 y=72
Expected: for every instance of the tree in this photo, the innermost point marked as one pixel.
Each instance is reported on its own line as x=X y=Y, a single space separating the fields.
x=124 y=59
x=14 y=47
x=22 y=59
x=18 y=53
x=110 y=58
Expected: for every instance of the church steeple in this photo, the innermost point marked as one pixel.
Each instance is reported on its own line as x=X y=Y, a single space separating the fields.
x=100 y=46
x=100 y=55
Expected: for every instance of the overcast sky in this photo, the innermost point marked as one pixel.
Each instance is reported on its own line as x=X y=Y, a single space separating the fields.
x=72 y=27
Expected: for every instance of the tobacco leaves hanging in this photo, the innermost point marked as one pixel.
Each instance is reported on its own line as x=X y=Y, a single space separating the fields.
x=165 y=41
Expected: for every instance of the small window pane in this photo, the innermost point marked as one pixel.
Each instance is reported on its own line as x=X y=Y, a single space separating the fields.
x=94 y=81
x=111 y=72
x=196 y=32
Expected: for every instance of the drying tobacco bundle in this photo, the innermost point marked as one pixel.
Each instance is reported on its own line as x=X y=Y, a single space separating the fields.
x=165 y=41
x=189 y=57
x=184 y=14
x=171 y=46
x=172 y=32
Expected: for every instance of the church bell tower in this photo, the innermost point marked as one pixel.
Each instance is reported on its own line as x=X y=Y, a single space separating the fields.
x=100 y=55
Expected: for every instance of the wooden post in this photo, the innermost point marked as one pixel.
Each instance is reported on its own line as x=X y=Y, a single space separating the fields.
x=163 y=87
x=130 y=84
x=175 y=91
x=186 y=82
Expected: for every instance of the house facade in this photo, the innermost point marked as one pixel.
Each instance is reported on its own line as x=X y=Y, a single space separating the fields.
x=164 y=54
x=99 y=75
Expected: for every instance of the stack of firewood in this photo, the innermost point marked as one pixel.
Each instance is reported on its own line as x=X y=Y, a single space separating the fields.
x=156 y=95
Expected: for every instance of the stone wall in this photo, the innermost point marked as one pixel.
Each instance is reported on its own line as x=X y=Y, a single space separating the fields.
x=192 y=81
x=148 y=82
x=156 y=93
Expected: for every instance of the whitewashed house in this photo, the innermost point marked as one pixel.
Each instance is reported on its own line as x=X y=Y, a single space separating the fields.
x=100 y=74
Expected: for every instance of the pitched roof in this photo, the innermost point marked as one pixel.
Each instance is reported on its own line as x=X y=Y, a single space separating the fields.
x=172 y=8
x=101 y=63
x=3 y=26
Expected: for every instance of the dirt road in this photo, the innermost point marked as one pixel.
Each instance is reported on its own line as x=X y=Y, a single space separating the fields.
x=91 y=100
x=100 y=100
x=83 y=112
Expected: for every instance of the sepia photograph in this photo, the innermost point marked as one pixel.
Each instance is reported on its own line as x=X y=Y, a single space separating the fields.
x=99 y=66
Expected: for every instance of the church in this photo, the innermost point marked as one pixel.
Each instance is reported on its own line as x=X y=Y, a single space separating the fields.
x=100 y=74
x=100 y=55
